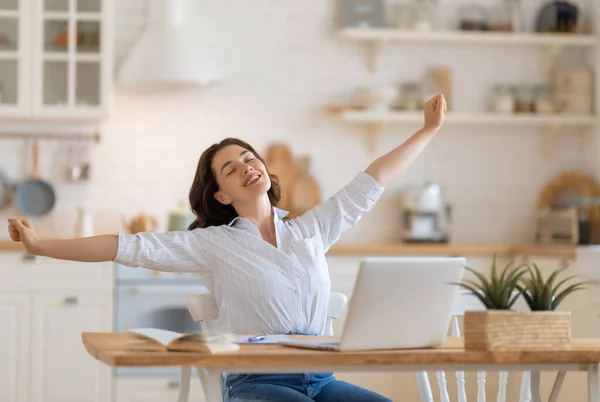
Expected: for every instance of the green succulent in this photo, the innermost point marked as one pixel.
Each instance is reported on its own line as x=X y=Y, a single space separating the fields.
x=542 y=294
x=496 y=293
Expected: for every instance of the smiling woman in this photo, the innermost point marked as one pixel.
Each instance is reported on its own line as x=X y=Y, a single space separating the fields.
x=222 y=189
x=268 y=275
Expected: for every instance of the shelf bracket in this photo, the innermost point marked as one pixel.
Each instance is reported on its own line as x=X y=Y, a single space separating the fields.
x=373 y=53
x=549 y=134
x=374 y=131
x=548 y=55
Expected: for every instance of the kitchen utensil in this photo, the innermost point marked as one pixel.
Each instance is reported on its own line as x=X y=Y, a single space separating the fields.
x=558 y=16
x=5 y=191
x=181 y=218
x=403 y=15
x=84 y=226
x=279 y=161
x=566 y=189
x=515 y=10
x=502 y=100
x=84 y=165
x=381 y=99
x=363 y=13
x=473 y=18
x=557 y=226
x=426 y=215
x=141 y=223
x=73 y=169
x=35 y=197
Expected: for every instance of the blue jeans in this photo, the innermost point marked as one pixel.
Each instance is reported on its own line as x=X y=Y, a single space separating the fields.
x=319 y=387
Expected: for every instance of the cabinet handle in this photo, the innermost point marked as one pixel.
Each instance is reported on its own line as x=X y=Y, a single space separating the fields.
x=74 y=300
x=173 y=385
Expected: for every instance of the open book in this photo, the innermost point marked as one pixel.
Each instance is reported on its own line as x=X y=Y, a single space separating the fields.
x=201 y=343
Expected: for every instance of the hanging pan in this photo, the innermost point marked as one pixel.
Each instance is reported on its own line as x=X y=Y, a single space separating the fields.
x=35 y=197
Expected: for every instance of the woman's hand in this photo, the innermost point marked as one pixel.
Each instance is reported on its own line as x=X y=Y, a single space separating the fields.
x=21 y=230
x=434 y=112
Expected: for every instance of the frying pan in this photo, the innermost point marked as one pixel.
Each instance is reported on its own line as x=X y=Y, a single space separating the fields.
x=35 y=197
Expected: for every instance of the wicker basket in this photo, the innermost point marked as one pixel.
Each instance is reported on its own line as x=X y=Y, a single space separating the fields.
x=511 y=330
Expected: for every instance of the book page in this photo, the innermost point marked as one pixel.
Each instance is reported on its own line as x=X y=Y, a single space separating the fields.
x=161 y=335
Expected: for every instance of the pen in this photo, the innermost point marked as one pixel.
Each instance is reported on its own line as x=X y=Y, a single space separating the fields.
x=257 y=338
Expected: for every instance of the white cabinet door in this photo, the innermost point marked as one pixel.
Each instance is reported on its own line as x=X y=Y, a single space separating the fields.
x=72 y=58
x=154 y=390
x=15 y=72
x=61 y=369
x=14 y=319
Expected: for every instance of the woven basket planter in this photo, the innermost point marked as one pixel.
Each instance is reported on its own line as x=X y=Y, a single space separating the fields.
x=511 y=330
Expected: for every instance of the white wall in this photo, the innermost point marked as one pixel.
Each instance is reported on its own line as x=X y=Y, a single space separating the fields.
x=282 y=65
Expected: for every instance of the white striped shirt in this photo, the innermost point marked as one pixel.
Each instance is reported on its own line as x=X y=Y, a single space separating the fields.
x=259 y=288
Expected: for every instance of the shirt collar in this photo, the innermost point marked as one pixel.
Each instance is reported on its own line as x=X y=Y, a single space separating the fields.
x=279 y=215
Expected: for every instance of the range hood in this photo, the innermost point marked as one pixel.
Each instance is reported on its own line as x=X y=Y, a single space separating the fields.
x=166 y=52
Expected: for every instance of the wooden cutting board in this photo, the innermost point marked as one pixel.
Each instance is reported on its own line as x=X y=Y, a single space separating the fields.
x=305 y=192
x=280 y=162
x=299 y=191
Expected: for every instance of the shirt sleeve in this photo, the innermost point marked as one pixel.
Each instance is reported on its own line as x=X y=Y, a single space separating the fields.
x=343 y=210
x=178 y=251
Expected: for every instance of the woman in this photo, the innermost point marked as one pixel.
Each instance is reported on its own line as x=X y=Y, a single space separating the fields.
x=268 y=276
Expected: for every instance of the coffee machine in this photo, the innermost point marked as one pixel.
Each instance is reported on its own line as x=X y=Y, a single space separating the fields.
x=426 y=215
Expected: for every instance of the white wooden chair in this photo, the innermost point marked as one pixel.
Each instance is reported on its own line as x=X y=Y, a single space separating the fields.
x=467 y=302
x=203 y=309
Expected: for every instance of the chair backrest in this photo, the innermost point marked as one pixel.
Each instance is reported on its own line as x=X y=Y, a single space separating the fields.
x=466 y=301
x=203 y=307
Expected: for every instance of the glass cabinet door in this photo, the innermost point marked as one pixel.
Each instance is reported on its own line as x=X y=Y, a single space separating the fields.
x=13 y=57
x=72 y=56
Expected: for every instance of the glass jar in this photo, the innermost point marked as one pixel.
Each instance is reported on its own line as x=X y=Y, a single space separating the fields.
x=503 y=100
x=412 y=99
x=425 y=15
x=472 y=18
x=403 y=15
x=515 y=9
x=524 y=99
x=543 y=102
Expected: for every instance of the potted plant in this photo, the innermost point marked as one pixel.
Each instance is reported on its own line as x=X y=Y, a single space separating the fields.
x=499 y=327
x=541 y=294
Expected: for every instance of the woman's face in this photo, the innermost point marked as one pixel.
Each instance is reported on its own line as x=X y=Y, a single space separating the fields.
x=241 y=176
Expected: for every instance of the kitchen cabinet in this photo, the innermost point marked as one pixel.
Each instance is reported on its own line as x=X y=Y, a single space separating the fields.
x=154 y=390
x=61 y=369
x=55 y=59
x=45 y=305
x=14 y=316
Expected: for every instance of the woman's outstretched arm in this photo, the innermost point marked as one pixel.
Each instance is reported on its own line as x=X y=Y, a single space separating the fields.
x=387 y=167
x=86 y=249
x=179 y=251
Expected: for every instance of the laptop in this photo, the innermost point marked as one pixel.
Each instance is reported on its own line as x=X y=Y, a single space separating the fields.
x=397 y=303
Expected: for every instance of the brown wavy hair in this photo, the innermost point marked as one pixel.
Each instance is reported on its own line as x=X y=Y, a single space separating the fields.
x=209 y=211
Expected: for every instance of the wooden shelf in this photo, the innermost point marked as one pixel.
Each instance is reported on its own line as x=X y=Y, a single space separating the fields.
x=400 y=249
x=531 y=120
x=452 y=249
x=549 y=124
x=9 y=245
x=550 y=44
x=469 y=38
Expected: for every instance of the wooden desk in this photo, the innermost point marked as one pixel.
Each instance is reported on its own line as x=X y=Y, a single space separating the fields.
x=127 y=349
